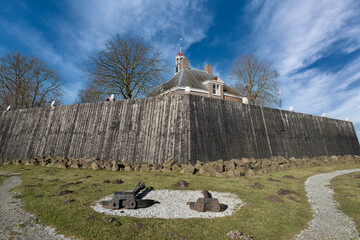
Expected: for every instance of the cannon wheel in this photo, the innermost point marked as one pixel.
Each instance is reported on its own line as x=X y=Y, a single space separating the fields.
x=131 y=204
x=215 y=207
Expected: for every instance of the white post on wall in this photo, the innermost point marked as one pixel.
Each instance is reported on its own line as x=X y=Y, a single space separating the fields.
x=323 y=115
x=53 y=104
x=291 y=109
x=112 y=97
x=347 y=119
x=9 y=108
x=187 y=90
x=245 y=100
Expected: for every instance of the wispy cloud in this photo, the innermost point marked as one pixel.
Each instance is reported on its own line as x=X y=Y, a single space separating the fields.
x=84 y=26
x=37 y=45
x=296 y=34
x=160 y=22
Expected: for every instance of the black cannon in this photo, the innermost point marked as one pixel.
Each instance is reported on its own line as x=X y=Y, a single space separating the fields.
x=128 y=199
x=207 y=204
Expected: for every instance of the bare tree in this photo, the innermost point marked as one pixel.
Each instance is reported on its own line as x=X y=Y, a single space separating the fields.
x=27 y=82
x=256 y=79
x=127 y=66
x=90 y=94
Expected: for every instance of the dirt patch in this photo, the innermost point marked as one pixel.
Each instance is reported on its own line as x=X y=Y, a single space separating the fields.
x=350 y=195
x=107 y=181
x=289 y=176
x=257 y=185
x=54 y=180
x=109 y=219
x=235 y=234
x=65 y=192
x=293 y=199
x=181 y=184
x=286 y=192
x=273 y=180
x=274 y=199
x=118 y=181
x=70 y=183
x=68 y=201
x=139 y=225
x=357 y=176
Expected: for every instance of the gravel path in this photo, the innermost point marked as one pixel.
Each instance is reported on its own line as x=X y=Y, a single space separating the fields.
x=172 y=204
x=328 y=222
x=14 y=222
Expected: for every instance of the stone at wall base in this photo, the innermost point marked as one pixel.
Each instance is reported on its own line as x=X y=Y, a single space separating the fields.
x=220 y=168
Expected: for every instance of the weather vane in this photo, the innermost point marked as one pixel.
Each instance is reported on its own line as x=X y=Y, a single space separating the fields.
x=180 y=44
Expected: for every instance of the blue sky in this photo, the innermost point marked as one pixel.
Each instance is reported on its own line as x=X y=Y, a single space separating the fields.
x=315 y=45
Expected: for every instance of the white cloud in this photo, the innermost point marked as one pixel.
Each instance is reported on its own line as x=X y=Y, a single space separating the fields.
x=161 y=22
x=294 y=34
x=38 y=46
x=84 y=26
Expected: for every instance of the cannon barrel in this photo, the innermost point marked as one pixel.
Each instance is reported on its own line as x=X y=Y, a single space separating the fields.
x=138 y=188
x=206 y=194
x=128 y=199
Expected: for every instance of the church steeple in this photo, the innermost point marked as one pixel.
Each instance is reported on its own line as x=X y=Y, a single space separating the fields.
x=178 y=59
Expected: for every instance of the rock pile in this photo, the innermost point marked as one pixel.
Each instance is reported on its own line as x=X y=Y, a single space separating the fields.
x=220 y=168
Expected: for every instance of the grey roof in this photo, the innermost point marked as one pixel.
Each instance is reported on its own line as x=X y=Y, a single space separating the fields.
x=189 y=78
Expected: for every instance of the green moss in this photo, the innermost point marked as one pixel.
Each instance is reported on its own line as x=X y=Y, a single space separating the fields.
x=259 y=217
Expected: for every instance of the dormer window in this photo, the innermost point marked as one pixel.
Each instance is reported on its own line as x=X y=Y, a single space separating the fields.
x=216 y=89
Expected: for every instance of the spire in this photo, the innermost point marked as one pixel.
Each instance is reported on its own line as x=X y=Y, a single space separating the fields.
x=180 y=45
x=178 y=59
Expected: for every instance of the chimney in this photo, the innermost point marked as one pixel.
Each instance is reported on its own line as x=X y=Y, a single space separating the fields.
x=184 y=63
x=208 y=68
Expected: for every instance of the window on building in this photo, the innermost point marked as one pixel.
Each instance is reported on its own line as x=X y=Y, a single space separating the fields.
x=216 y=89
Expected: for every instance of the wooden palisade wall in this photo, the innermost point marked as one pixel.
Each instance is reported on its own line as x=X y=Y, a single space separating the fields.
x=184 y=127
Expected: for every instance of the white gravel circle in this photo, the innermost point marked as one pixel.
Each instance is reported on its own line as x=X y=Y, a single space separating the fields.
x=172 y=204
x=14 y=222
x=328 y=222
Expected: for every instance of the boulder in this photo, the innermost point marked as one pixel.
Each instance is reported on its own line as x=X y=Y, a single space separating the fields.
x=169 y=163
x=75 y=165
x=136 y=167
x=334 y=159
x=127 y=167
x=250 y=172
x=115 y=166
x=218 y=166
x=60 y=165
x=95 y=166
x=230 y=165
x=188 y=169
x=145 y=167
x=175 y=168
x=17 y=162
x=245 y=160
x=198 y=164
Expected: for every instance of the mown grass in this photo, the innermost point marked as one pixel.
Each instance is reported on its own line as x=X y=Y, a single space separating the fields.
x=347 y=193
x=259 y=217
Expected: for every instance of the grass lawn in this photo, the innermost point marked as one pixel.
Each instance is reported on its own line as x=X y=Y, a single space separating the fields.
x=259 y=217
x=347 y=193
